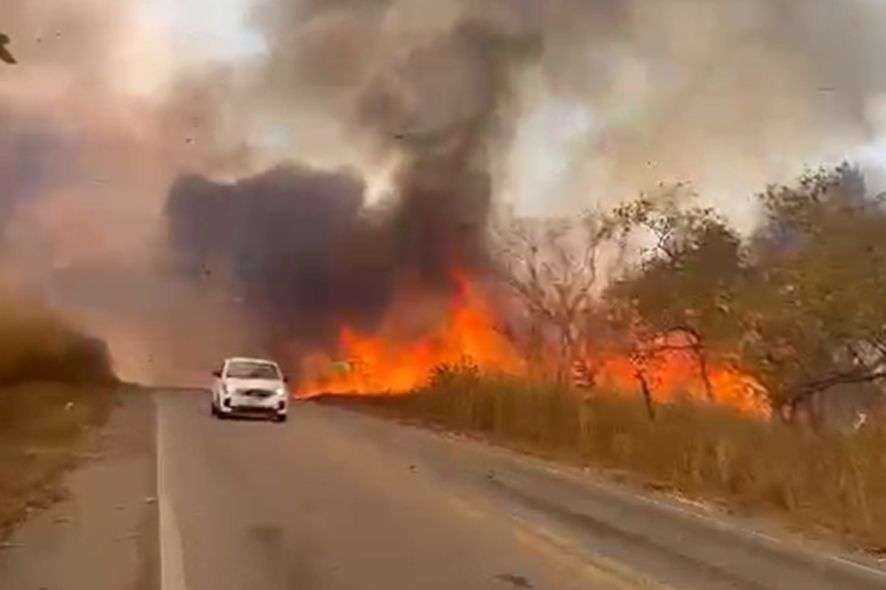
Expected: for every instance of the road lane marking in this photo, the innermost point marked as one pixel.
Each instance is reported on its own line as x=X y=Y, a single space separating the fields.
x=172 y=572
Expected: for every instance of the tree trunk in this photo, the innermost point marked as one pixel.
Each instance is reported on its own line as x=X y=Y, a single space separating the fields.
x=564 y=371
x=703 y=369
x=647 y=395
x=536 y=345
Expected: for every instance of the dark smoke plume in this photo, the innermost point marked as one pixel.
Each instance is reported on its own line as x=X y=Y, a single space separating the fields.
x=435 y=92
x=292 y=242
x=302 y=244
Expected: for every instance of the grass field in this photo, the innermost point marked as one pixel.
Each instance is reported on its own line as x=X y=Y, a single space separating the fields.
x=818 y=483
x=45 y=428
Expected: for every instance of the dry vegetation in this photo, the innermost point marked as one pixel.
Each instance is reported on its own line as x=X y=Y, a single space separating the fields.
x=56 y=387
x=798 y=305
x=819 y=483
x=45 y=429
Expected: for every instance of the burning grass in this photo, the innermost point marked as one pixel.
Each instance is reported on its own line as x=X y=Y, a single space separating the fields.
x=675 y=376
x=818 y=483
x=388 y=363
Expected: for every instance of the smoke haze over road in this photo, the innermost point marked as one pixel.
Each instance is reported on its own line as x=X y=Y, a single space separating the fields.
x=357 y=149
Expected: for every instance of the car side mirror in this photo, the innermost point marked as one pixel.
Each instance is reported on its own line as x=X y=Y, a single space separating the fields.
x=217 y=374
x=285 y=379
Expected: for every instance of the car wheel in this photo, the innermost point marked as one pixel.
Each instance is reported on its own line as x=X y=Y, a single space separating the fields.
x=212 y=409
x=280 y=418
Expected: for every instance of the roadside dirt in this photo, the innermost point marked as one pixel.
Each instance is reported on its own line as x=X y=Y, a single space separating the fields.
x=102 y=531
x=45 y=430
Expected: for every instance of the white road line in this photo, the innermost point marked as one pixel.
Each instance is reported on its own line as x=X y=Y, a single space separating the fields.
x=172 y=572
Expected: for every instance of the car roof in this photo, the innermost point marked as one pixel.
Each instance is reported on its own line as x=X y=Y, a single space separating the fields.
x=243 y=359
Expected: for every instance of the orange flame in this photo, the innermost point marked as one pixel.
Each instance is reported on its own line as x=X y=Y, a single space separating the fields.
x=378 y=365
x=381 y=365
x=675 y=375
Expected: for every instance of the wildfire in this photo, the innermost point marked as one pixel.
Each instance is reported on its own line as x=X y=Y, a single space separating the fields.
x=384 y=364
x=676 y=375
x=378 y=365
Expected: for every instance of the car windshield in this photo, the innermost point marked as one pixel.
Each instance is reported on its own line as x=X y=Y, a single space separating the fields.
x=252 y=370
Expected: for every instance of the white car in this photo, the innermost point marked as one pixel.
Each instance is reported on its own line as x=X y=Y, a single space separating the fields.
x=250 y=387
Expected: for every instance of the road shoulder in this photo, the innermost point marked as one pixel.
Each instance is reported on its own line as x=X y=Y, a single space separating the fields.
x=104 y=534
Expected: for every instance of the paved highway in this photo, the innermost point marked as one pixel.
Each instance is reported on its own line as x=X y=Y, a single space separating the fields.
x=339 y=500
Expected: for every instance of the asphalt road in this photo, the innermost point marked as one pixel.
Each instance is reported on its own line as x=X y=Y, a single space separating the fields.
x=338 y=500
x=333 y=500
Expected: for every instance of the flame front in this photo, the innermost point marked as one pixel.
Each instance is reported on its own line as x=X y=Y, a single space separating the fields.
x=676 y=375
x=378 y=365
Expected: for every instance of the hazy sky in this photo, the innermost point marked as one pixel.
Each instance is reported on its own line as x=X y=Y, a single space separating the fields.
x=219 y=30
x=208 y=28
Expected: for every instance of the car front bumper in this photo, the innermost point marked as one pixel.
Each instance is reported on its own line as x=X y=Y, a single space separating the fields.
x=245 y=405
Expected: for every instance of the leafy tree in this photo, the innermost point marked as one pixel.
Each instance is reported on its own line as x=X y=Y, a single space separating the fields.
x=679 y=296
x=815 y=301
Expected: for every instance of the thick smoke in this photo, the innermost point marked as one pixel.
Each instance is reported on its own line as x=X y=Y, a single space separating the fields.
x=443 y=109
x=301 y=242
x=301 y=247
x=728 y=95
x=291 y=242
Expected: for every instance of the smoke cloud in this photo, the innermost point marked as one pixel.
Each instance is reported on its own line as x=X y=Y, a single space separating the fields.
x=291 y=242
x=359 y=155
x=729 y=95
x=302 y=241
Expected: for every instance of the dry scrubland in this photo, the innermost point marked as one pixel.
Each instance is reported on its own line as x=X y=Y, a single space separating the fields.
x=797 y=306
x=820 y=483
x=56 y=387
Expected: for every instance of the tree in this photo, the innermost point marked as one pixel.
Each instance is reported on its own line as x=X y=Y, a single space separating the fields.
x=814 y=303
x=552 y=267
x=679 y=295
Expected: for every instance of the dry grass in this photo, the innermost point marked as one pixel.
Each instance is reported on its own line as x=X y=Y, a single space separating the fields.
x=37 y=345
x=55 y=387
x=819 y=483
x=44 y=429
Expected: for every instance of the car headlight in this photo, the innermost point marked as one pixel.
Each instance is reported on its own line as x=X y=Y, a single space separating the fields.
x=281 y=391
